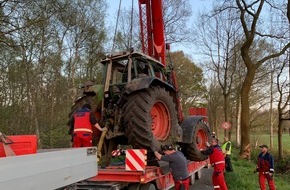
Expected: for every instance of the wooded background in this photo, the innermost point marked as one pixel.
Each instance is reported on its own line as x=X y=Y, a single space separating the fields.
x=49 y=47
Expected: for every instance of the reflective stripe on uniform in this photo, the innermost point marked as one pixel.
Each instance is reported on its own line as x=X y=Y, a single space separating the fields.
x=271 y=170
x=216 y=187
x=83 y=130
x=220 y=162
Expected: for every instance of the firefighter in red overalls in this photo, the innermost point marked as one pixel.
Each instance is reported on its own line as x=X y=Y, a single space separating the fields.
x=265 y=167
x=82 y=122
x=217 y=160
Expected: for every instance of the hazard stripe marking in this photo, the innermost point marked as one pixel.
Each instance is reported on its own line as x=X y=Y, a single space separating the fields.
x=135 y=159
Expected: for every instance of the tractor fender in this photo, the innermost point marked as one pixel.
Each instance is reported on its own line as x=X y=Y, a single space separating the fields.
x=144 y=83
x=188 y=126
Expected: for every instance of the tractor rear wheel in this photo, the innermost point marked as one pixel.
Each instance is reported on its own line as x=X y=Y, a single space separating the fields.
x=150 y=117
x=200 y=136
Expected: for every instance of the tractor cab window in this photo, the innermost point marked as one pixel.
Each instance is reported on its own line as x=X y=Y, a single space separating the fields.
x=142 y=68
x=118 y=72
x=117 y=75
x=158 y=73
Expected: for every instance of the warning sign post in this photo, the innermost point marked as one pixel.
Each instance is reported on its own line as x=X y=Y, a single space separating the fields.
x=226 y=125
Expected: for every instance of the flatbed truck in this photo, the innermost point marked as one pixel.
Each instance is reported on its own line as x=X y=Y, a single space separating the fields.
x=77 y=169
x=152 y=178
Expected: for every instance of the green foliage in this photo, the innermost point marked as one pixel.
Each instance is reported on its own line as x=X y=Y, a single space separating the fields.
x=190 y=81
x=56 y=137
x=61 y=43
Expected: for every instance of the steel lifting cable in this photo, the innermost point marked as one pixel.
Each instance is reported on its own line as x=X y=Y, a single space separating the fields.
x=116 y=28
x=131 y=26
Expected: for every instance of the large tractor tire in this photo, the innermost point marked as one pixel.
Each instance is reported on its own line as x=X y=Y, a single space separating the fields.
x=201 y=135
x=150 y=118
x=80 y=102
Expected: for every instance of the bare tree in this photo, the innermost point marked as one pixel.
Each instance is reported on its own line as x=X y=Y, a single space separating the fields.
x=214 y=104
x=254 y=42
x=83 y=23
x=283 y=101
x=38 y=41
x=176 y=14
x=9 y=10
x=220 y=34
x=128 y=30
x=249 y=17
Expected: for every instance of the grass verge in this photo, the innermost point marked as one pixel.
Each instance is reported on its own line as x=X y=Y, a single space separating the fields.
x=244 y=178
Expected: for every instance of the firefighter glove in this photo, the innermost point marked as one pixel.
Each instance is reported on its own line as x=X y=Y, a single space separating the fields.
x=207 y=144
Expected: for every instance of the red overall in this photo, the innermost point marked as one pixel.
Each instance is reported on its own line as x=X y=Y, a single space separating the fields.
x=82 y=129
x=265 y=164
x=218 y=161
x=262 y=178
x=184 y=182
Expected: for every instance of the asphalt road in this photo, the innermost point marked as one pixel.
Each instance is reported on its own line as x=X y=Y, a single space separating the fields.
x=205 y=182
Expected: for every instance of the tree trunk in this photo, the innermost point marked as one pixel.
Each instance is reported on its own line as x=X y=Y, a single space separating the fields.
x=271 y=110
x=238 y=132
x=245 y=112
x=226 y=113
x=280 y=146
x=288 y=11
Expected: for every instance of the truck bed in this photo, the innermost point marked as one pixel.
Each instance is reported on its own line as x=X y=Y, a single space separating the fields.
x=116 y=177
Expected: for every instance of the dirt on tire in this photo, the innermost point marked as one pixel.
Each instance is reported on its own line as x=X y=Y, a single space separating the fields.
x=201 y=133
x=150 y=116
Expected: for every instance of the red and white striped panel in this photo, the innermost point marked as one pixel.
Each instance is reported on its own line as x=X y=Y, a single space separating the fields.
x=135 y=159
x=116 y=153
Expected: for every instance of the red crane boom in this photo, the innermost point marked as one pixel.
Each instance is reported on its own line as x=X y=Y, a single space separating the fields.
x=152 y=29
x=153 y=36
